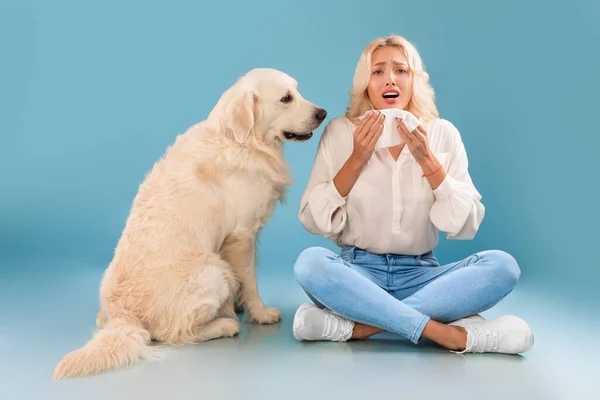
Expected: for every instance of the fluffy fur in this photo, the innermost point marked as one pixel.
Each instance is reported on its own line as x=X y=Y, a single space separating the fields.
x=186 y=257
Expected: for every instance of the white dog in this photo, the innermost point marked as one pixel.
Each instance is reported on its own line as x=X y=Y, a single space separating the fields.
x=188 y=248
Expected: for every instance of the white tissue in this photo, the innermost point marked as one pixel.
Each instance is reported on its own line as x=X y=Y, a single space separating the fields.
x=390 y=135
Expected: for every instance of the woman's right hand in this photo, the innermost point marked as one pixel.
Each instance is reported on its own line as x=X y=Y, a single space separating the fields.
x=366 y=135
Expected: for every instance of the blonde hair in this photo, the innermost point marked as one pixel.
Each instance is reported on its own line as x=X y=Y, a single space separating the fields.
x=422 y=101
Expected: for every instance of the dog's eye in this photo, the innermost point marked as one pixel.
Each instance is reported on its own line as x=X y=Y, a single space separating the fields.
x=286 y=99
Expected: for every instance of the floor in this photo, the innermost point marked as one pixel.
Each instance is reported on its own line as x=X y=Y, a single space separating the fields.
x=48 y=309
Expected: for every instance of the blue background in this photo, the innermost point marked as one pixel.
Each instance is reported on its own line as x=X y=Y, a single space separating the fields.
x=91 y=94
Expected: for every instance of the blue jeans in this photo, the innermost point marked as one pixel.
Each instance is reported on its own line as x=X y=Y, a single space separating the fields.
x=399 y=293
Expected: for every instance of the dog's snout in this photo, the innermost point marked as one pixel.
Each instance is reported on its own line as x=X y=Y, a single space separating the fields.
x=320 y=114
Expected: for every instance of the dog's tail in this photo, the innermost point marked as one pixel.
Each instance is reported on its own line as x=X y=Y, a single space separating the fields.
x=121 y=343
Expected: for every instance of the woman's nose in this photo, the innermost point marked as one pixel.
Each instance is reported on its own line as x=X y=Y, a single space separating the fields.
x=390 y=79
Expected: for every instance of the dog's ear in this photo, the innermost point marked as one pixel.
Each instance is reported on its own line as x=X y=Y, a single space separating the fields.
x=244 y=114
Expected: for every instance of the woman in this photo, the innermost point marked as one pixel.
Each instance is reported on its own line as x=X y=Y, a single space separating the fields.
x=384 y=209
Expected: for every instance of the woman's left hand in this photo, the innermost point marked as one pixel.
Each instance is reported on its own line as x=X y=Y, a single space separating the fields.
x=418 y=146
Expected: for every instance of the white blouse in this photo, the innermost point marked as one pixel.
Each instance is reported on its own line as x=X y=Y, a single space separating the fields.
x=391 y=207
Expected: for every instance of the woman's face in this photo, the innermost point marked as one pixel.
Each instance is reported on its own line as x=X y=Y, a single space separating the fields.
x=390 y=85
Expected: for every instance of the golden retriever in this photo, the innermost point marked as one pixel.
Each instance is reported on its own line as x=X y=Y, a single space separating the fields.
x=186 y=257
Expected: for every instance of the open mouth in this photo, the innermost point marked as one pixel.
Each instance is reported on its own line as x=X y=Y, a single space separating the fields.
x=390 y=95
x=297 y=136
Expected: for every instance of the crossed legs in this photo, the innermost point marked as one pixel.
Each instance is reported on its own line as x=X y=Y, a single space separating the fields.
x=359 y=308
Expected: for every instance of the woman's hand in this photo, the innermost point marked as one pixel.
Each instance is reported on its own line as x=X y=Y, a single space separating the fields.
x=416 y=141
x=419 y=148
x=366 y=135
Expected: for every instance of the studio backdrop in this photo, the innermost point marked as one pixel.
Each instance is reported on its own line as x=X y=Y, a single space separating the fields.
x=92 y=93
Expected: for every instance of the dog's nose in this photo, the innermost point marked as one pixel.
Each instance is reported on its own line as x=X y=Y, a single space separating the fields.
x=320 y=115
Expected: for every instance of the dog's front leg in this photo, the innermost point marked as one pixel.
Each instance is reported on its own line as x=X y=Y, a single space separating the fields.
x=239 y=251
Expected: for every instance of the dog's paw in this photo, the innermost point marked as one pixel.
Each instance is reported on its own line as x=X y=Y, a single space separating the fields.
x=265 y=316
x=229 y=327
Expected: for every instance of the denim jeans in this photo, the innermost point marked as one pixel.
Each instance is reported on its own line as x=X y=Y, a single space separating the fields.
x=399 y=293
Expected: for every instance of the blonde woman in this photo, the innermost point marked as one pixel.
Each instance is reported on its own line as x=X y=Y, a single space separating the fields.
x=384 y=209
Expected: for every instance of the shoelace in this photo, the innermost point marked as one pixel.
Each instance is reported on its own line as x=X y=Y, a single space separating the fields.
x=484 y=340
x=333 y=329
x=329 y=325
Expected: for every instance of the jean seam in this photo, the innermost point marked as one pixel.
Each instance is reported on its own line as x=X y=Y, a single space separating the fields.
x=388 y=271
x=415 y=336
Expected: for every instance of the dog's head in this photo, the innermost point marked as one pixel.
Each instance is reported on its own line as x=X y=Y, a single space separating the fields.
x=265 y=105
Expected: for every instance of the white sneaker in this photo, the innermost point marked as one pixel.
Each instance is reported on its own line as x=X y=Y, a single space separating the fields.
x=507 y=334
x=313 y=323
